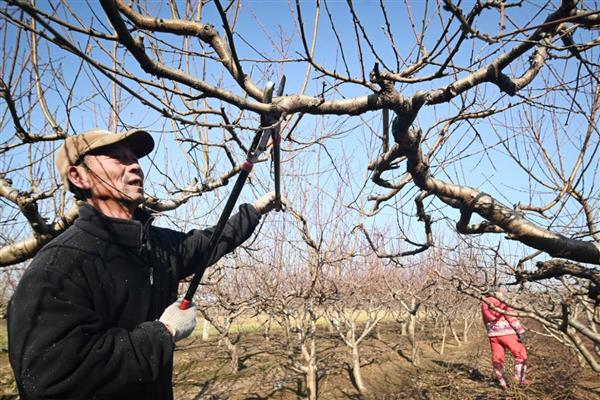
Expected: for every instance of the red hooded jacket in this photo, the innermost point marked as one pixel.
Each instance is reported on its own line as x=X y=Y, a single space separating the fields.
x=496 y=323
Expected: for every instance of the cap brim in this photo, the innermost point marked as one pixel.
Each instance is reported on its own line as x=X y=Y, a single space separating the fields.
x=140 y=142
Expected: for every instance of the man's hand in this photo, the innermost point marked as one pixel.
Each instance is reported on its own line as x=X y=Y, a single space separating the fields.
x=266 y=203
x=522 y=338
x=180 y=323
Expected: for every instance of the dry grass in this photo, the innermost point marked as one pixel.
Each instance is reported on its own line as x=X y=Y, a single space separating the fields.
x=202 y=370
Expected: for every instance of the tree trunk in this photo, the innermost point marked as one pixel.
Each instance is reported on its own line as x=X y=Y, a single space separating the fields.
x=311 y=382
x=415 y=354
x=310 y=356
x=458 y=342
x=205 y=334
x=233 y=353
x=403 y=326
x=412 y=322
x=356 y=371
x=466 y=328
x=267 y=331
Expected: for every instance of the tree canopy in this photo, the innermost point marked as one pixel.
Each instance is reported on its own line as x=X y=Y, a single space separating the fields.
x=424 y=124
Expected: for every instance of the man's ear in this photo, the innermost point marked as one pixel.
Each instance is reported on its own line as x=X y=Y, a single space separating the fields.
x=79 y=177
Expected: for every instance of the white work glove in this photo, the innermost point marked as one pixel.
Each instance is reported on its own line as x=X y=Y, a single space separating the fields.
x=266 y=203
x=180 y=323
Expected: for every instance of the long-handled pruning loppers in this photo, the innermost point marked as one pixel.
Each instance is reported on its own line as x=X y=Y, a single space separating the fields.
x=259 y=144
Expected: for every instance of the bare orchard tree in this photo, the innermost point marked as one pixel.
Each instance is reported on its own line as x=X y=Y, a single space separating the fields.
x=362 y=302
x=283 y=284
x=8 y=279
x=224 y=298
x=481 y=71
x=456 y=312
x=494 y=107
x=563 y=307
x=411 y=289
x=297 y=316
x=311 y=295
x=311 y=246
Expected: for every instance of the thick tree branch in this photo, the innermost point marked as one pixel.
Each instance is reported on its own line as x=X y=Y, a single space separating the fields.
x=27 y=204
x=204 y=32
x=10 y=103
x=559 y=268
x=466 y=198
x=493 y=72
x=25 y=249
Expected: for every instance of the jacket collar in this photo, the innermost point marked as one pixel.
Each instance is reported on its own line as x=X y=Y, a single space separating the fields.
x=128 y=233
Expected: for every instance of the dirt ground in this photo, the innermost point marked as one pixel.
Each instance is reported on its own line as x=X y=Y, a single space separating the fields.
x=202 y=371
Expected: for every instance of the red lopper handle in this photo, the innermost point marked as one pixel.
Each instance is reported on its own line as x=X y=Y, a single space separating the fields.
x=185 y=304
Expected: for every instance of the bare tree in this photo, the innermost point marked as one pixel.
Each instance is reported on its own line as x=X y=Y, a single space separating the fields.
x=143 y=37
x=411 y=289
x=362 y=302
x=563 y=307
x=494 y=108
x=224 y=298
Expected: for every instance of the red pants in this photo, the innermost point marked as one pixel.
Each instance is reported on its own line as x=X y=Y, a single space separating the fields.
x=510 y=342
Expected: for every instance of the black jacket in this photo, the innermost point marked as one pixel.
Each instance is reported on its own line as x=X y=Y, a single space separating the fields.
x=82 y=321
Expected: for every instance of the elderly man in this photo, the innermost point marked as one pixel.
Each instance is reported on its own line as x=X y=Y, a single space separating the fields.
x=95 y=315
x=504 y=332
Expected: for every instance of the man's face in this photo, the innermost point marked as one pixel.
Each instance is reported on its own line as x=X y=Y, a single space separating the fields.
x=114 y=175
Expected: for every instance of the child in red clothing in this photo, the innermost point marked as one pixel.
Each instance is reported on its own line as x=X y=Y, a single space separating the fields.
x=504 y=332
